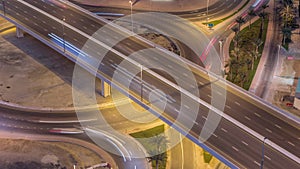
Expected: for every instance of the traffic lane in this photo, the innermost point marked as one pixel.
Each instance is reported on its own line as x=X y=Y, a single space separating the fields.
x=221 y=10
x=91 y=25
x=266 y=124
x=252 y=108
x=245 y=146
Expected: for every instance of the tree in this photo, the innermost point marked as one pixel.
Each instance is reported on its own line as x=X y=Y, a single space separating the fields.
x=240 y=21
x=262 y=15
x=288 y=15
x=236 y=37
x=286 y=34
x=264 y=6
x=251 y=14
x=157 y=152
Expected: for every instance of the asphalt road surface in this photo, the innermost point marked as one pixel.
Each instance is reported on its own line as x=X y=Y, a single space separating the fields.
x=229 y=140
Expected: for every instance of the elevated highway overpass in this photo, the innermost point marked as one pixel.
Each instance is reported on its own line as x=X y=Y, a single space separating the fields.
x=244 y=120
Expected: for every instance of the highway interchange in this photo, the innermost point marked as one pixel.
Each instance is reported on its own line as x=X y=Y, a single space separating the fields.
x=236 y=147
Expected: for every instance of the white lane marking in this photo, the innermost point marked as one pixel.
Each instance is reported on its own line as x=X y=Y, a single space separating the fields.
x=237 y=103
x=93 y=25
x=209 y=96
x=228 y=106
x=224 y=130
x=270 y=131
x=170 y=66
x=193 y=87
x=245 y=143
x=214 y=135
x=258 y=115
x=257 y=163
x=84 y=27
x=186 y=106
x=201 y=83
x=234 y=148
x=186 y=75
x=248 y=118
x=204 y=117
x=292 y=144
x=177 y=110
x=219 y=93
x=196 y=122
x=268 y=158
x=277 y=126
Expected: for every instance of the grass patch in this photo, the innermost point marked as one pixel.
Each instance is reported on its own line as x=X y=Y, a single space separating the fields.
x=216 y=22
x=149 y=146
x=207 y=157
x=246 y=37
x=149 y=133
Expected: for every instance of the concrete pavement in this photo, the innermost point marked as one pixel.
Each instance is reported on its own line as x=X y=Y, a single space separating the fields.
x=151 y=5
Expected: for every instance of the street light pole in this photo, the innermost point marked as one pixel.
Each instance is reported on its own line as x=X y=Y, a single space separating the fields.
x=263 y=154
x=207 y=12
x=221 y=50
x=131 y=3
x=141 y=77
x=3 y=4
x=63 y=27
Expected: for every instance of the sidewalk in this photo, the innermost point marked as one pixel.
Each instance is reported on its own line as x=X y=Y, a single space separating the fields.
x=151 y=5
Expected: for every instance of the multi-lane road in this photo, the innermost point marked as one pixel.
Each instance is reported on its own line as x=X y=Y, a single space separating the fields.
x=229 y=140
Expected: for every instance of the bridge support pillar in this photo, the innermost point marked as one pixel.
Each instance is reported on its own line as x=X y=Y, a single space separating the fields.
x=19 y=32
x=105 y=89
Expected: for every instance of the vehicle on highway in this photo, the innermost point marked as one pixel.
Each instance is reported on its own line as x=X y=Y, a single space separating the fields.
x=66 y=131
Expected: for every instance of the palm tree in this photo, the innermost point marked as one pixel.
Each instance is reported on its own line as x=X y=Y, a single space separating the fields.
x=286 y=34
x=240 y=21
x=257 y=43
x=264 y=6
x=158 y=144
x=251 y=14
x=262 y=15
x=288 y=15
x=236 y=38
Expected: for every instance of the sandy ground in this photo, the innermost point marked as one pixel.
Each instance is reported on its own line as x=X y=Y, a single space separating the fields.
x=12 y=151
x=286 y=75
x=285 y=85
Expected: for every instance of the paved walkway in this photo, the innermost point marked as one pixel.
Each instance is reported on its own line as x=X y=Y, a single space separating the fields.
x=151 y=5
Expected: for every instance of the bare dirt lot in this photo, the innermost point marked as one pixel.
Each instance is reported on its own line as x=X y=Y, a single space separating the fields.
x=21 y=154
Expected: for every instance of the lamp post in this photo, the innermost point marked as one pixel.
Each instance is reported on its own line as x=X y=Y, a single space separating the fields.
x=3 y=5
x=131 y=3
x=263 y=154
x=221 y=51
x=141 y=77
x=207 y=12
x=63 y=35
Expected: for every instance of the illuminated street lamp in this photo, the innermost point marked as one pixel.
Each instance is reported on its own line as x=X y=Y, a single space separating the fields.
x=141 y=77
x=207 y=11
x=131 y=3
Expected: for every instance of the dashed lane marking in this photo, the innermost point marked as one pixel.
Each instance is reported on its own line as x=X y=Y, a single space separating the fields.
x=245 y=143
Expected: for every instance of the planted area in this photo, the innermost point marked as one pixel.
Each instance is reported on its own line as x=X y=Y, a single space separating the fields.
x=245 y=52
